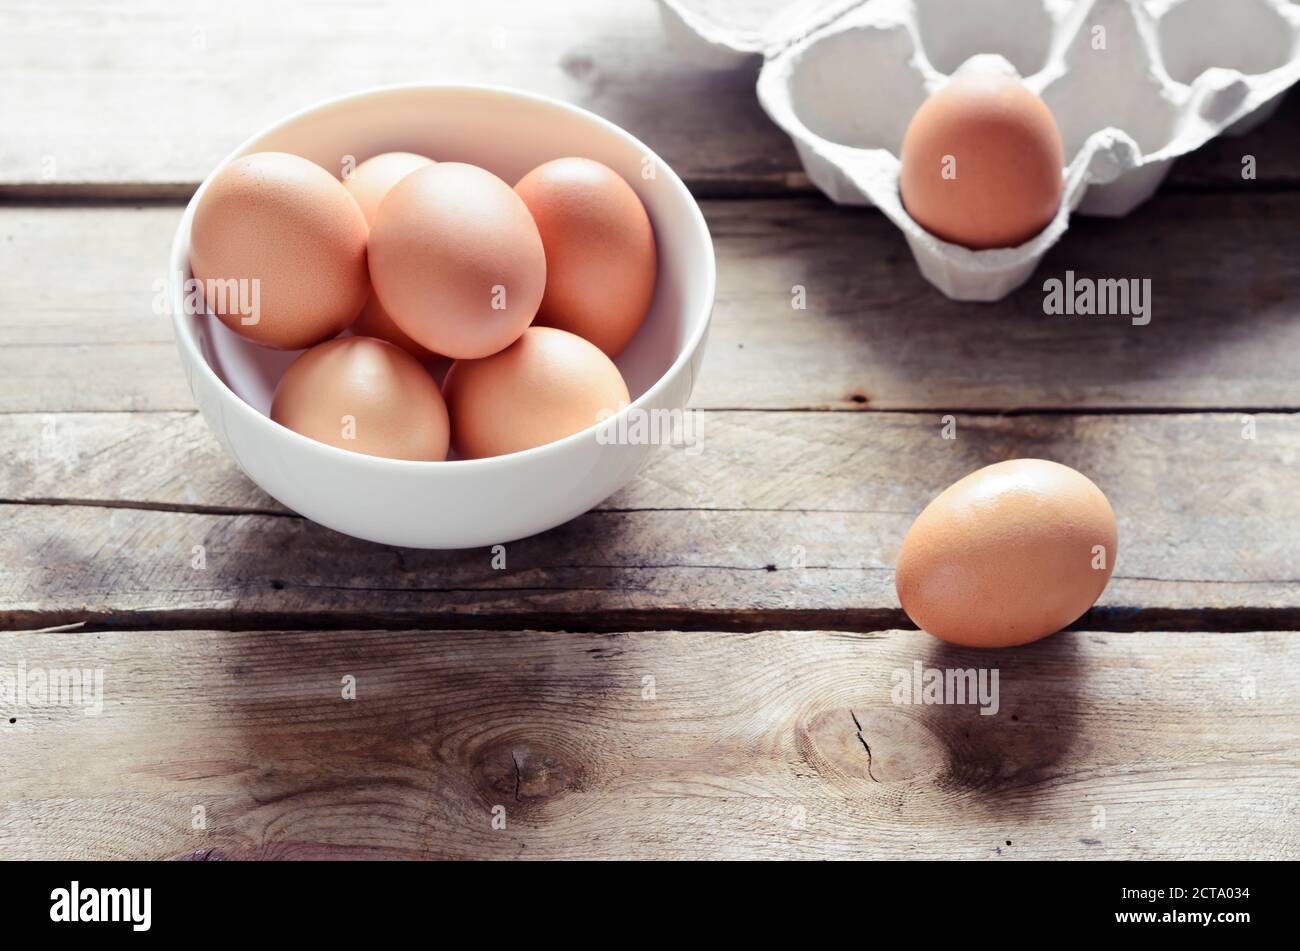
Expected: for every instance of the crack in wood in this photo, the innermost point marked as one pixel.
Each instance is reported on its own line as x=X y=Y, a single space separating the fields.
x=866 y=746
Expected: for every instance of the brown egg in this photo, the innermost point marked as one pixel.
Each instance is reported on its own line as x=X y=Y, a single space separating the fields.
x=457 y=261
x=1009 y=554
x=600 y=250
x=547 y=385
x=365 y=395
x=375 y=322
x=283 y=233
x=371 y=180
x=982 y=162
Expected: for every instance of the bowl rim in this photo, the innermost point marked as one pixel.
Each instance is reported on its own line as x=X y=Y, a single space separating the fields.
x=186 y=337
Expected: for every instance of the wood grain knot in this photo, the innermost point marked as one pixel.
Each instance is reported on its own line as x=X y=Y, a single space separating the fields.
x=201 y=855
x=875 y=744
x=522 y=773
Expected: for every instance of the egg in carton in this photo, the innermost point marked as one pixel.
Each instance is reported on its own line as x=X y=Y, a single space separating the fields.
x=1132 y=84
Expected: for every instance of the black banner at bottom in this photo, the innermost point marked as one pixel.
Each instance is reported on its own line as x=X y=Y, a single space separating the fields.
x=1219 y=899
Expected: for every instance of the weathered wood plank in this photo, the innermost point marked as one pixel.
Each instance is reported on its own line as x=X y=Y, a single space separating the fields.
x=79 y=77
x=1224 y=332
x=874 y=330
x=660 y=744
x=780 y=516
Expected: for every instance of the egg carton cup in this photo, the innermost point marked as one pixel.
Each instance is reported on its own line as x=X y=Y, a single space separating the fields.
x=1133 y=84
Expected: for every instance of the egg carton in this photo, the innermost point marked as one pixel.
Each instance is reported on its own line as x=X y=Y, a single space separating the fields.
x=1133 y=84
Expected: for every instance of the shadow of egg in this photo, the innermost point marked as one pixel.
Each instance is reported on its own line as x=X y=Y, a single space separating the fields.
x=1023 y=725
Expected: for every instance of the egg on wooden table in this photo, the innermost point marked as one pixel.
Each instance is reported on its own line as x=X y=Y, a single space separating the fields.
x=547 y=385
x=982 y=162
x=365 y=395
x=283 y=235
x=456 y=260
x=1009 y=554
x=601 y=262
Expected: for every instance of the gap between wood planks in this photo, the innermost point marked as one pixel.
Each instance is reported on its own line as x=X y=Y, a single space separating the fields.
x=863 y=406
x=1115 y=619
x=778 y=188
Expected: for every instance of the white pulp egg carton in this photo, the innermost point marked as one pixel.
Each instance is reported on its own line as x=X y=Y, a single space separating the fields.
x=1133 y=84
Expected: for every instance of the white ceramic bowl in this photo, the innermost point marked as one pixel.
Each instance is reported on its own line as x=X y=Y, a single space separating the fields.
x=458 y=503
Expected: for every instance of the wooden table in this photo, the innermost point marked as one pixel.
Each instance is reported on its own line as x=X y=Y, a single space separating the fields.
x=703 y=665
